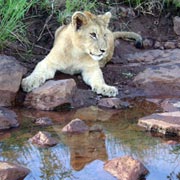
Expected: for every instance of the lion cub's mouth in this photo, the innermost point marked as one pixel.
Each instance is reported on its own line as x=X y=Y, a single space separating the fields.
x=96 y=57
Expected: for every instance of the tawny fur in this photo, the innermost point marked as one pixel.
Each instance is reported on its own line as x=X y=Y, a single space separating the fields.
x=83 y=46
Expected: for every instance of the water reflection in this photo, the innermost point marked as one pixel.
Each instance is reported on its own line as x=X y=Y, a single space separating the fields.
x=82 y=156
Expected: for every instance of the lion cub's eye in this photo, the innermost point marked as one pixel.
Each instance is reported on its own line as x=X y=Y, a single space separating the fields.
x=93 y=35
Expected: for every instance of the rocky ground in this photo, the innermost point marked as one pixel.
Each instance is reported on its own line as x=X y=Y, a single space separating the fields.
x=150 y=73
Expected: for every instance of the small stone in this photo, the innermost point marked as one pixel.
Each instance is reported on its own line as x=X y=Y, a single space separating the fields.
x=157 y=45
x=76 y=126
x=170 y=45
x=126 y=168
x=171 y=142
x=113 y=103
x=43 y=139
x=11 y=171
x=43 y=121
x=148 y=43
x=176 y=27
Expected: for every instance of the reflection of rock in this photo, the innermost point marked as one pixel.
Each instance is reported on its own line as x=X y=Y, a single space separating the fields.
x=85 y=148
x=8 y=119
x=11 y=73
x=51 y=95
x=11 y=171
x=93 y=113
x=76 y=126
x=165 y=123
x=126 y=168
x=43 y=139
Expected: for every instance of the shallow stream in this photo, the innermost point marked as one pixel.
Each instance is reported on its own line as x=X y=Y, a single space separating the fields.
x=82 y=156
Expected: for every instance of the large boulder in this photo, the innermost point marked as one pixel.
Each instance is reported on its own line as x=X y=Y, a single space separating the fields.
x=8 y=119
x=126 y=168
x=162 y=79
x=11 y=171
x=51 y=95
x=167 y=123
x=11 y=73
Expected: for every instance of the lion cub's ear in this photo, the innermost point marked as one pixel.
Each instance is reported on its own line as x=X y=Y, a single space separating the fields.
x=106 y=17
x=79 y=19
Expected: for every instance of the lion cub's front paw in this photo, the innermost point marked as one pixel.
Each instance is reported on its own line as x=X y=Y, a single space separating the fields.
x=105 y=90
x=29 y=83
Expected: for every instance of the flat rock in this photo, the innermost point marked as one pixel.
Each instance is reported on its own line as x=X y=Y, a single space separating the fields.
x=126 y=168
x=43 y=139
x=176 y=27
x=11 y=73
x=113 y=103
x=162 y=79
x=11 y=171
x=76 y=126
x=166 y=123
x=8 y=119
x=51 y=95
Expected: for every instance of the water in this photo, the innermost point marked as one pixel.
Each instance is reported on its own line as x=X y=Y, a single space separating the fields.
x=82 y=156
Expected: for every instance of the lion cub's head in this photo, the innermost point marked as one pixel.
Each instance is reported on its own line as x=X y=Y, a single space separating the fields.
x=90 y=33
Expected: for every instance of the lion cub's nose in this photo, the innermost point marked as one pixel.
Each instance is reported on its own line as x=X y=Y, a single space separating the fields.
x=102 y=50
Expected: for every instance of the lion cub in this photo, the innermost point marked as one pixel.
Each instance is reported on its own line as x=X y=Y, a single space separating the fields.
x=83 y=46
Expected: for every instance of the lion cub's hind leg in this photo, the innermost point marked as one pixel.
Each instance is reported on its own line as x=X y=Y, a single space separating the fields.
x=41 y=73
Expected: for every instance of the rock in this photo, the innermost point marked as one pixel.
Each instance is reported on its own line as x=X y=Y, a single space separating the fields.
x=171 y=142
x=11 y=73
x=43 y=139
x=162 y=79
x=148 y=43
x=158 y=45
x=170 y=105
x=166 y=123
x=84 y=98
x=11 y=171
x=126 y=168
x=51 y=95
x=113 y=103
x=43 y=121
x=170 y=45
x=76 y=126
x=8 y=119
x=176 y=27
x=96 y=128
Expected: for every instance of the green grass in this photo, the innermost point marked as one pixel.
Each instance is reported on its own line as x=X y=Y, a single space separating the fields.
x=75 y=5
x=11 y=15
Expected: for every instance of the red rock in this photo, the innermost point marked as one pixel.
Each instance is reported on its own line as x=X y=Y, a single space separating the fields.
x=126 y=168
x=8 y=118
x=76 y=126
x=43 y=139
x=51 y=95
x=11 y=171
x=166 y=123
x=11 y=73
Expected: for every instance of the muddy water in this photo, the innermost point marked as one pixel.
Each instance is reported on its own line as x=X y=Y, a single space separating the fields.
x=82 y=156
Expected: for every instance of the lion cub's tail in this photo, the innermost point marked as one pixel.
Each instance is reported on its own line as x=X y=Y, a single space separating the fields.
x=129 y=36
